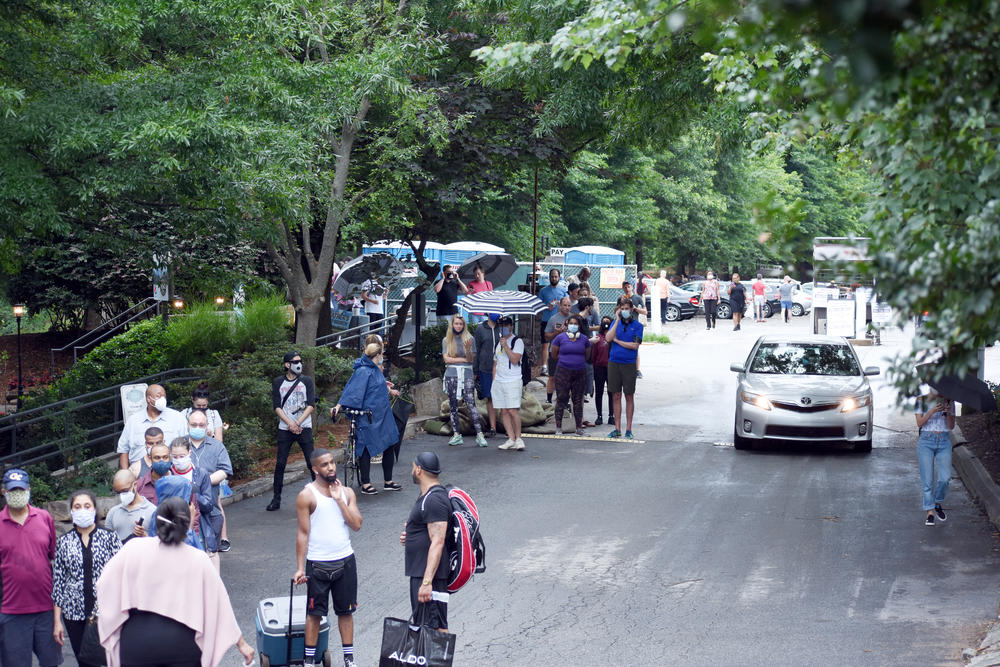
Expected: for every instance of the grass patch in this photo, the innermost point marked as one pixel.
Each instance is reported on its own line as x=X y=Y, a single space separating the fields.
x=655 y=338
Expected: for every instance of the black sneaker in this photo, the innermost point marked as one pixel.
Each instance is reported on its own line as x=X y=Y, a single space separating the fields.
x=224 y=546
x=611 y=420
x=599 y=420
x=929 y=521
x=490 y=433
x=275 y=504
x=940 y=513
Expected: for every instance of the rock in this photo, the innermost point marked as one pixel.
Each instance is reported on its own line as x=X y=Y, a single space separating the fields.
x=968 y=653
x=59 y=509
x=104 y=505
x=427 y=396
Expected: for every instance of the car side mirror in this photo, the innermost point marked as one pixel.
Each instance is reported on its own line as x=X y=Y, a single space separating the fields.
x=738 y=367
x=872 y=370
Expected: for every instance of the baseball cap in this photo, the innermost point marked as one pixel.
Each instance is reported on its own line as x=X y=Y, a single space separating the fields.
x=15 y=478
x=291 y=355
x=429 y=462
x=494 y=316
x=506 y=319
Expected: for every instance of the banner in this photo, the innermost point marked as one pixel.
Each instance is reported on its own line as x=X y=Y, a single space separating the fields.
x=161 y=279
x=133 y=398
x=612 y=277
x=840 y=318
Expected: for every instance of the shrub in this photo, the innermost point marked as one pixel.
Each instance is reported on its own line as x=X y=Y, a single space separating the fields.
x=246 y=443
x=262 y=322
x=431 y=361
x=198 y=335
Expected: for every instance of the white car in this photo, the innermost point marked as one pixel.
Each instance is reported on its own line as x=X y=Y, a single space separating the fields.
x=803 y=389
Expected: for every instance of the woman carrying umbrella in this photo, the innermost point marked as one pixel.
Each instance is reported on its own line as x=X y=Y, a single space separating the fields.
x=935 y=419
x=480 y=284
x=458 y=351
x=367 y=390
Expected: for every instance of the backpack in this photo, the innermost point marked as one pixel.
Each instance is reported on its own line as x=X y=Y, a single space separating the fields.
x=464 y=543
x=527 y=361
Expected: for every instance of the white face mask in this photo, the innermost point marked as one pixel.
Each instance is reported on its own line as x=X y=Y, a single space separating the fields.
x=161 y=403
x=296 y=368
x=126 y=497
x=83 y=518
x=18 y=498
x=183 y=463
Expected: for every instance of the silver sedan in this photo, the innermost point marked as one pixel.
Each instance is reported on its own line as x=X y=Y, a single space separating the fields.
x=805 y=389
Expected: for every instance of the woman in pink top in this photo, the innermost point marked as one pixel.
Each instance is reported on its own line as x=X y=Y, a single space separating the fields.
x=710 y=299
x=480 y=284
x=758 y=298
x=161 y=601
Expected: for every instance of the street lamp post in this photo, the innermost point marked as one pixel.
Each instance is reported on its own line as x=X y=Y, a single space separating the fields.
x=18 y=314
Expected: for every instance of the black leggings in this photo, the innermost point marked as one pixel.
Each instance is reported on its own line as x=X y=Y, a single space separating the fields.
x=75 y=631
x=389 y=458
x=148 y=640
x=570 y=383
x=600 y=381
x=711 y=306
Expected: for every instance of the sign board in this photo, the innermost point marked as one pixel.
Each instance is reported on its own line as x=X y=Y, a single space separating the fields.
x=340 y=319
x=881 y=313
x=861 y=311
x=133 y=398
x=840 y=317
x=289 y=314
x=841 y=252
x=161 y=279
x=823 y=294
x=612 y=277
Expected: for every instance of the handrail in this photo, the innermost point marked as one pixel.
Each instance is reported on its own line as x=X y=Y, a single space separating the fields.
x=78 y=345
x=362 y=331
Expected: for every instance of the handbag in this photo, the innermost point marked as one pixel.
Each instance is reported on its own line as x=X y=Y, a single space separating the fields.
x=90 y=644
x=406 y=643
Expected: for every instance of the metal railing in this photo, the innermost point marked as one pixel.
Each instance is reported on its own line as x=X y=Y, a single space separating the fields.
x=87 y=424
x=105 y=330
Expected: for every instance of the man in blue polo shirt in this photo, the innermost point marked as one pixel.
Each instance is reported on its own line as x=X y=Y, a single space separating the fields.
x=550 y=296
x=624 y=337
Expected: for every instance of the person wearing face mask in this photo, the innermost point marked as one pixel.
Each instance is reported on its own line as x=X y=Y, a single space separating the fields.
x=130 y=517
x=207 y=517
x=145 y=486
x=199 y=401
x=210 y=456
x=710 y=299
x=27 y=547
x=367 y=390
x=624 y=338
x=550 y=295
x=81 y=555
x=486 y=337
x=571 y=350
x=459 y=352
x=556 y=325
x=132 y=442
x=153 y=437
x=507 y=382
x=293 y=396
x=599 y=358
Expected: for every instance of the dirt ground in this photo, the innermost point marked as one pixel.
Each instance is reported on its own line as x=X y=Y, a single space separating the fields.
x=329 y=436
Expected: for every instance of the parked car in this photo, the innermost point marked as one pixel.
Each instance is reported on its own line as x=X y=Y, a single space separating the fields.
x=808 y=389
x=725 y=311
x=801 y=299
x=680 y=307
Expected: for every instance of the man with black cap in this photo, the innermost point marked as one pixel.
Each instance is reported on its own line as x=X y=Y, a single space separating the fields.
x=27 y=547
x=294 y=398
x=423 y=539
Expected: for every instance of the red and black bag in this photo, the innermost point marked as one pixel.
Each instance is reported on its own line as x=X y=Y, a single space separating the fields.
x=464 y=543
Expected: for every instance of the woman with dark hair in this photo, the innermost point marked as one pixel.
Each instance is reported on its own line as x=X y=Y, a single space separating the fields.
x=81 y=555
x=147 y=617
x=367 y=390
x=571 y=351
x=199 y=401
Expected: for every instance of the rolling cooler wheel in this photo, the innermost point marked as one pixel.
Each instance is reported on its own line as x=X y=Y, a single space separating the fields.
x=264 y=660
x=327 y=659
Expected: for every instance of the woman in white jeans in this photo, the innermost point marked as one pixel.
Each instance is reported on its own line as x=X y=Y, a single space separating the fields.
x=935 y=418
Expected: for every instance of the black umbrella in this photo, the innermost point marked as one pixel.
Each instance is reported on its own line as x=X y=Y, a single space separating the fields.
x=498 y=267
x=968 y=390
x=380 y=267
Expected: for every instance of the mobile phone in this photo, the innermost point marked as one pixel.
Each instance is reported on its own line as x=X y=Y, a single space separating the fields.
x=139 y=522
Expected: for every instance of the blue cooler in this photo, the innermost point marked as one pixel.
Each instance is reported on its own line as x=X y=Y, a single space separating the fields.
x=272 y=625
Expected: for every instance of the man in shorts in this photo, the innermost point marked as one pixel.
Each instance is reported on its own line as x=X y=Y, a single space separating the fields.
x=326 y=509
x=624 y=338
x=785 y=291
x=423 y=540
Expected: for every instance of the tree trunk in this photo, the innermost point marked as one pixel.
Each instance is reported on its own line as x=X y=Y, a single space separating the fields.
x=638 y=253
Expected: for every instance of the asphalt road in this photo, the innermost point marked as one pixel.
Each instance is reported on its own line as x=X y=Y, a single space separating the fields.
x=678 y=551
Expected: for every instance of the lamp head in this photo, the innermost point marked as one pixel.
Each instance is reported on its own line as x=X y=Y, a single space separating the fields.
x=18 y=311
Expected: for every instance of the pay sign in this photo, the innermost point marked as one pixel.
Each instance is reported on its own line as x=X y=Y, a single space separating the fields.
x=612 y=277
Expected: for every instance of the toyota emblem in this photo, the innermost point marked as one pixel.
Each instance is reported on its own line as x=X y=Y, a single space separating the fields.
x=806 y=400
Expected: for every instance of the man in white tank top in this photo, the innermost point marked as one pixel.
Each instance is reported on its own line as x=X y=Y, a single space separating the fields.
x=326 y=509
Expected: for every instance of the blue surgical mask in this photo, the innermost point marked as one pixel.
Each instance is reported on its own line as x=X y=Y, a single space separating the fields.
x=197 y=433
x=504 y=331
x=161 y=468
x=626 y=314
x=573 y=328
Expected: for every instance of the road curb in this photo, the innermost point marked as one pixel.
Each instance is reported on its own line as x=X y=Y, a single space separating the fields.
x=257 y=487
x=986 y=492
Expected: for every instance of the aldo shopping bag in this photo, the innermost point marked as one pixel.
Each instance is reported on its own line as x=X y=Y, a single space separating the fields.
x=406 y=644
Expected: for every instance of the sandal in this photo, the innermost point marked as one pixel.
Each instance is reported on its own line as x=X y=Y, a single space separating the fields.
x=587 y=424
x=392 y=486
x=369 y=490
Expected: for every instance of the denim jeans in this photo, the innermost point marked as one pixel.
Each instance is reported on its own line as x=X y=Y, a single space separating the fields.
x=933 y=447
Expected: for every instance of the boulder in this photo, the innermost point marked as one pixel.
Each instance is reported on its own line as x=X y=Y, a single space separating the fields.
x=59 y=509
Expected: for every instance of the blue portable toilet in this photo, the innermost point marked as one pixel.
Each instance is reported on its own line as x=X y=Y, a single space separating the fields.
x=458 y=252
x=403 y=251
x=594 y=255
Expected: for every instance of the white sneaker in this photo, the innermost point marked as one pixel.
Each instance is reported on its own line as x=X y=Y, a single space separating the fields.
x=559 y=431
x=509 y=444
x=519 y=444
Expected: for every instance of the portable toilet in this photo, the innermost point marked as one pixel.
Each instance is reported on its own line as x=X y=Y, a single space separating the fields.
x=458 y=252
x=403 y=251
x=593 y=255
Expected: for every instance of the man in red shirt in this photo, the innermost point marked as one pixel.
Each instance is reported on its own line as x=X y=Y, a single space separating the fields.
x=27 y=547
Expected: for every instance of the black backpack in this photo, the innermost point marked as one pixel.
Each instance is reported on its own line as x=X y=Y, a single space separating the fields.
x=527 y=361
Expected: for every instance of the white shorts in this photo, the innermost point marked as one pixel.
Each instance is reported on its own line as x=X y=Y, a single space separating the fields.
x=506 y=395
x=758 y=299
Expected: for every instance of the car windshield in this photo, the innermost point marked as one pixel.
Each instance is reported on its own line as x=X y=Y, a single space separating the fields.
x=804 y=359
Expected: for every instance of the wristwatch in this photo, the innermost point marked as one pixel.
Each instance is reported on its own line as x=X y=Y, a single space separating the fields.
x=426 y=582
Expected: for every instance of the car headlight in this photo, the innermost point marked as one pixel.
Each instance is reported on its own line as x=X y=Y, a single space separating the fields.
x=855 y=402
x=755 y=399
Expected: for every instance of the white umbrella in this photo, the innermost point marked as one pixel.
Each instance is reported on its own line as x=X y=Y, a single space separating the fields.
x=503 y=302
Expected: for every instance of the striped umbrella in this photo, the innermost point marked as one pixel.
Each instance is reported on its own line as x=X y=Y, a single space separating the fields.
x=503 y=302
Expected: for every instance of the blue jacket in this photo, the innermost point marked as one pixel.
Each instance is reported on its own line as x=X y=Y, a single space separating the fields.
x=366 y=390
x=210 y=520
